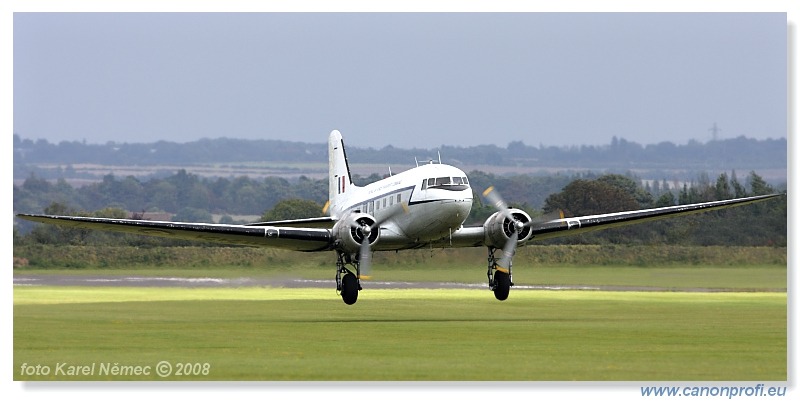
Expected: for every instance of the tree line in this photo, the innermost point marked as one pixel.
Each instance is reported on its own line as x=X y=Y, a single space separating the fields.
x=618 y=154
x=192 y=198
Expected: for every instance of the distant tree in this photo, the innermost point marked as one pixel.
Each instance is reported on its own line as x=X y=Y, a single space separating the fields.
x=163 y=195
x=738 y=189
x=758 y=186
x=57 y=208
x=629 y=186
x=665 y=186
x=56 y=234
x=291 y=209
x=587 y=197
x=722 y=190
x=34 y=184
x=689 y=195
x=192 y=214
x=111 y=212
x=705 y=190
x=665 y=200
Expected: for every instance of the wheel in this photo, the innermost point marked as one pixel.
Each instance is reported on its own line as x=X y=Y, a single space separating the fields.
x=502 y=285
x=349 y=289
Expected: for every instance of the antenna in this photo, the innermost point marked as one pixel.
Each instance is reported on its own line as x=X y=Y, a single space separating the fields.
x=390 y=171
x=416 y=162
x=440 y=156
x=714 y=131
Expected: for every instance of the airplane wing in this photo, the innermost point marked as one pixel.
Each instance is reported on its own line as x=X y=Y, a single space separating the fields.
x=579 y=225
x=292 y=238
x=473 y=236
x=318 y=222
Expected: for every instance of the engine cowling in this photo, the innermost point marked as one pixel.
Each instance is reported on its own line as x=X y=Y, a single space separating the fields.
x=350 y=232
x=498 y=228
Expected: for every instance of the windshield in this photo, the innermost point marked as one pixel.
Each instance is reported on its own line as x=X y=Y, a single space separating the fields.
x=446 y=182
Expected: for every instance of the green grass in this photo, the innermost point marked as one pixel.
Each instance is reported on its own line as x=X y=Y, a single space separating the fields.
x=309 y=334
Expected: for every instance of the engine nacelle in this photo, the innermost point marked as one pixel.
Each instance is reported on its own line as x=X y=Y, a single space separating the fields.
x=498 y=228
x=350 y=231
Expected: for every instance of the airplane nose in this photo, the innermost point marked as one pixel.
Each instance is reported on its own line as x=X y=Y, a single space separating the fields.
x=465 y=206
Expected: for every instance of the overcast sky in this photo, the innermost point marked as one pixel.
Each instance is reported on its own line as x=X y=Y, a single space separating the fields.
x=409 y=80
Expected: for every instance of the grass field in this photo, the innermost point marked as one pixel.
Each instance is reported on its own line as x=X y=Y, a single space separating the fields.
x=119 y=333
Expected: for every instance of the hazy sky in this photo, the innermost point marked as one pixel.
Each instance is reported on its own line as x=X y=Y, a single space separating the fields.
x=402 y=79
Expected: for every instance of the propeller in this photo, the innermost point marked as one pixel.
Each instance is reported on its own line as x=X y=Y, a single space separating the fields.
x=365 y=250
x=494 y=198
x=516 y=228
x=510 y=247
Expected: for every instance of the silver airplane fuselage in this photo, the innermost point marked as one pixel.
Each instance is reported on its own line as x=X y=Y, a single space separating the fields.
x=417 y=206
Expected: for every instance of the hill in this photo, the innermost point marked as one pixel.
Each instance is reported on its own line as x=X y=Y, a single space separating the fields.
x=227 y=157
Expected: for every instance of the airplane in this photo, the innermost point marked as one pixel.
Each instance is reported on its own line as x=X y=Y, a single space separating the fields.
x=425 y=206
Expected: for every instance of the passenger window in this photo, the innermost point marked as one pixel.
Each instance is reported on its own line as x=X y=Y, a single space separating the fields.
x=384 y=203
x=398 y=197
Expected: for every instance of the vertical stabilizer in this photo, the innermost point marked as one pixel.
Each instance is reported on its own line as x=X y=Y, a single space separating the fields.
x=340 y=182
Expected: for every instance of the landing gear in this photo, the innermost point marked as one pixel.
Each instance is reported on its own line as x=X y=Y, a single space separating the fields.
x=502 y=285
x=499 y=278
x=350 y=289
x=348 y=284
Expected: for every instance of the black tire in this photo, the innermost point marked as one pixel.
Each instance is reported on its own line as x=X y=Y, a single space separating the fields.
x=349 y=289
x=502 y=285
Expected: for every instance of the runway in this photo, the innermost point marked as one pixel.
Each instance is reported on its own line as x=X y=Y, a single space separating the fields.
x=33 y=280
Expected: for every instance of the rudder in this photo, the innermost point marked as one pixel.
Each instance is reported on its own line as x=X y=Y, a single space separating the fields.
x=340 y=181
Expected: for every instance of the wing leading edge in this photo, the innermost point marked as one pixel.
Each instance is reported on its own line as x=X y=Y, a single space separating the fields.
x=578 y=225
x=299 y=239
x=318 y=222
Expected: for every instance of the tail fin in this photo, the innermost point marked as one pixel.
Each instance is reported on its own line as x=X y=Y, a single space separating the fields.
x=340 y=181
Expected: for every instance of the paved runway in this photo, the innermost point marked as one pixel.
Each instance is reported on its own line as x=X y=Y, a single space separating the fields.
x=136 y=281
x=32 y=279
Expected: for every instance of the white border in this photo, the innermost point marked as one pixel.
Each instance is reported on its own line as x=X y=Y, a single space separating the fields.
x=135 y=392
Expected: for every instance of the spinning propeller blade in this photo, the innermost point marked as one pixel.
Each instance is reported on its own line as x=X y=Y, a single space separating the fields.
x=365 y=250
x=510 y=247
x=493 y=196
x=499 y=204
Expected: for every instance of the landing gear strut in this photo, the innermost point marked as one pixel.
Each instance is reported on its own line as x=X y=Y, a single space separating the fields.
x=499 y=278
x=348 y=284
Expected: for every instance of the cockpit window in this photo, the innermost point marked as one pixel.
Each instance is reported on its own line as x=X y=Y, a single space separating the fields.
x=447 y=183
